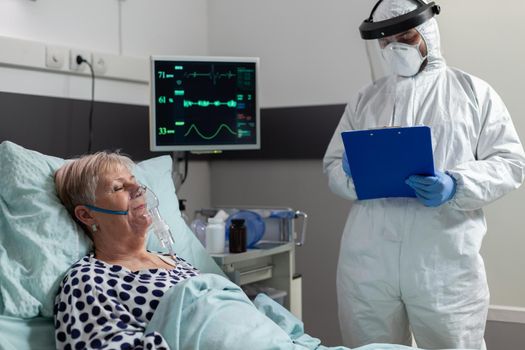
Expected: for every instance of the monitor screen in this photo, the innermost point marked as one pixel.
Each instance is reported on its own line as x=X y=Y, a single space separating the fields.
x=204 y=103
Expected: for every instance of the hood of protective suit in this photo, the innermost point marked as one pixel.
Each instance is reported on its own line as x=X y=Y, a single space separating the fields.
x=428 y=30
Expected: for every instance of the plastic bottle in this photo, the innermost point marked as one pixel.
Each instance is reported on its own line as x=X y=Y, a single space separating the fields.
x=237 y=236
x=198 y=226
x=215 y=236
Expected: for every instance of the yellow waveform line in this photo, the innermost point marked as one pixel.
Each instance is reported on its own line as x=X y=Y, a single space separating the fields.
x=209 y=137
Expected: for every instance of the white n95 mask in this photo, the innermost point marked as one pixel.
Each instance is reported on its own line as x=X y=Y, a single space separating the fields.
x=404 y=59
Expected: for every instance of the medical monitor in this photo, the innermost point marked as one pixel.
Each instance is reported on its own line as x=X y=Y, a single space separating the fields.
x=204 y=103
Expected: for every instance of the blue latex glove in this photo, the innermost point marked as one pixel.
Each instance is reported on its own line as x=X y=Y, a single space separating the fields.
x=346 y=166
x=433 y=191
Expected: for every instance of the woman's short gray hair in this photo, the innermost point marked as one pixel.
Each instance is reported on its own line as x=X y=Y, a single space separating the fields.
x=76 y=181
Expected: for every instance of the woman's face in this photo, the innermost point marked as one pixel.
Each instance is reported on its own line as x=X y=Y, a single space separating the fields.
x=117 y=190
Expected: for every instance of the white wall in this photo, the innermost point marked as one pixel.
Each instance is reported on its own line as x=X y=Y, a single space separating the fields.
x=164 y=27
x=62 y=22
x=134 y=28
x=310 y=50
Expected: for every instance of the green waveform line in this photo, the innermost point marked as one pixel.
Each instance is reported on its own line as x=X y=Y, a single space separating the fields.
x=204 y=103
x=212 y=136
x=213 y=76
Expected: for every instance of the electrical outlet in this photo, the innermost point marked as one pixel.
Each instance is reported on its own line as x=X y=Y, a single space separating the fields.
x=73 y=65
x=100 y=63
x=55 y=56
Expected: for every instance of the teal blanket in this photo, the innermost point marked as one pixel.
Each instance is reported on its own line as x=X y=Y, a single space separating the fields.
x=203 y=312
x=210 y=312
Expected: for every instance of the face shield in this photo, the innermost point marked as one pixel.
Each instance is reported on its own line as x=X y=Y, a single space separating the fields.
x=142 y=201
x=394 y=46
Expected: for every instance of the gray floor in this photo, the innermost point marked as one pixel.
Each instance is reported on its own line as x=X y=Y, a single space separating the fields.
x=505 y=336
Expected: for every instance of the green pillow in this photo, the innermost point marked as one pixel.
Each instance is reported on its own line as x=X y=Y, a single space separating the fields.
x=39 y=241
x=38 y=238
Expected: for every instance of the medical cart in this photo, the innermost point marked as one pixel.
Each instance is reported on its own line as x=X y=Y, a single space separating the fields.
x=269 y=266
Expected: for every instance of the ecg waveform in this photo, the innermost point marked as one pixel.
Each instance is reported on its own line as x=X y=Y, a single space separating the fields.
x=193 y=127
x=204 y=103
x=213 y=76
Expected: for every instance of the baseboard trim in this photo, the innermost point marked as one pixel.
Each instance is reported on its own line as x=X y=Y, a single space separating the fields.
x=501 y=313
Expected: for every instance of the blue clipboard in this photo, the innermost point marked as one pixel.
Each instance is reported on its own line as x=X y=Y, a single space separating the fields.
x=382 y=159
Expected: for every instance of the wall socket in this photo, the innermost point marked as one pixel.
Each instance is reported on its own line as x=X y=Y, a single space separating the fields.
x=73 y=65
x=55 y=56
x=100 y=63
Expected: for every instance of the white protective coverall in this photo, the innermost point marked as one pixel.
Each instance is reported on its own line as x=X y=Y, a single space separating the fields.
x=400 y=262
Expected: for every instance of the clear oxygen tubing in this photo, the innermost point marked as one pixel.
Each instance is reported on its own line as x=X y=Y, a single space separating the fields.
x=159 y=226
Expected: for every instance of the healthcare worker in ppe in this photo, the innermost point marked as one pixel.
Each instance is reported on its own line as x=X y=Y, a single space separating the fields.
x=413 y=264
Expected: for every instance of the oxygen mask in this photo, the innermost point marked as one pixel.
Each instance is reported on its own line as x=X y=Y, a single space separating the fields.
x=143 y=202
x=159 y=226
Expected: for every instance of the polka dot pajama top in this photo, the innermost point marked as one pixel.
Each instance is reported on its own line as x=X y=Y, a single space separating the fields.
x=104 y=306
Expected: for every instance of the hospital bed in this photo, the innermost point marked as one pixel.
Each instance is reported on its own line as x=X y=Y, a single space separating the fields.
x=39 y=240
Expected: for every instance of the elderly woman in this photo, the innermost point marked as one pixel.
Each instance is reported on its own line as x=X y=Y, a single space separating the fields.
x=109 y=296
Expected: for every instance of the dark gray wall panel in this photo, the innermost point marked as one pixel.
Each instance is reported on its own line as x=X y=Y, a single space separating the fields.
x=293 y=133
x=59 y=127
